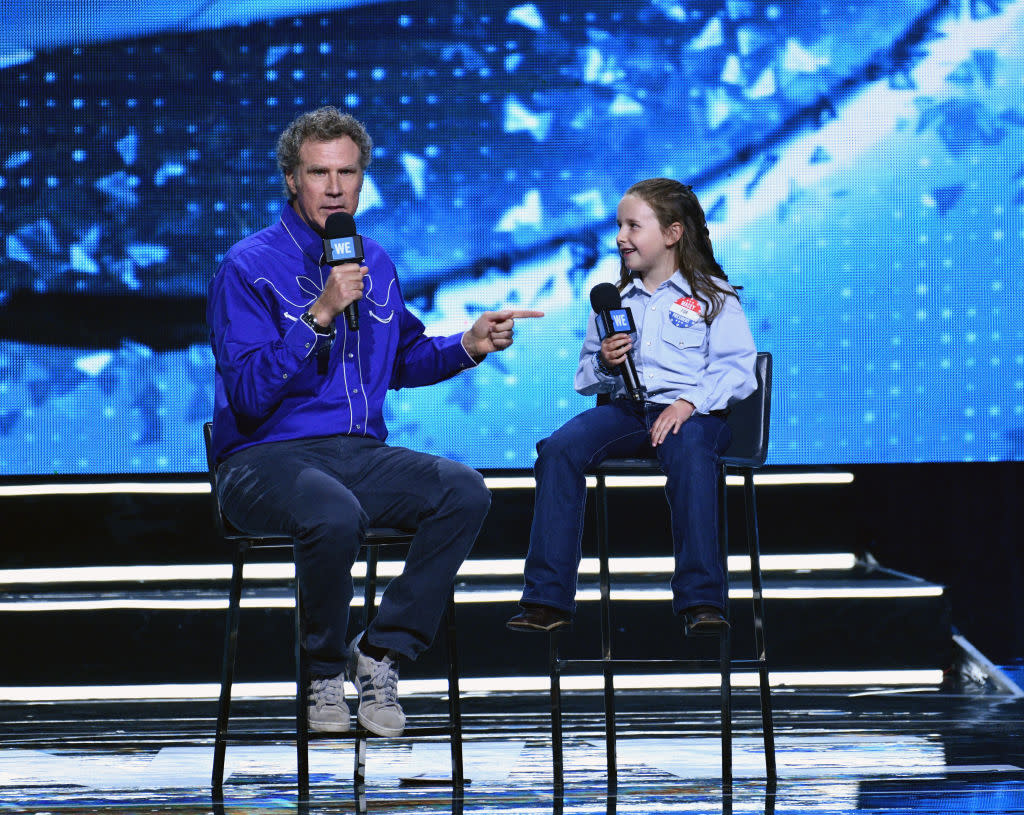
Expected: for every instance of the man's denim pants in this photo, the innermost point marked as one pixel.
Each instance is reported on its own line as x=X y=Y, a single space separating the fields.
x=325 y=493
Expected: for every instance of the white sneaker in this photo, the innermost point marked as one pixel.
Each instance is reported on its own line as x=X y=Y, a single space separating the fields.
x=377 y=685
x=328 y=710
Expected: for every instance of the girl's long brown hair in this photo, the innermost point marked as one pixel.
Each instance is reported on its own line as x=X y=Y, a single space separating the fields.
x=674 y=202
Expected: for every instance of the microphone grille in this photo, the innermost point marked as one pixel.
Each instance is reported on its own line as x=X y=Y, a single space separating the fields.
x=340 y=225
x=605 y=296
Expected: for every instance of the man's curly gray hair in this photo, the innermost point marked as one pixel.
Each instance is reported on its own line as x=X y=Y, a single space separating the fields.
x=323 y=124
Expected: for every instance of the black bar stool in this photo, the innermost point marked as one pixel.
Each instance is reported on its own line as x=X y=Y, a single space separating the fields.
x=749 y=420
x=377 y=538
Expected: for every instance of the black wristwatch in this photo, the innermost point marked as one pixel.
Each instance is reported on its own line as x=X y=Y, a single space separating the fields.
x=309 y=320
x=601 y=367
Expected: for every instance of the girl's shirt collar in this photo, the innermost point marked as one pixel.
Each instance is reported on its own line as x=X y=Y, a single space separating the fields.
x=636 y=286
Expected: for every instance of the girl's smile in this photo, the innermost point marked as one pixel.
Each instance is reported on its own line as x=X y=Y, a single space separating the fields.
x=645 y=248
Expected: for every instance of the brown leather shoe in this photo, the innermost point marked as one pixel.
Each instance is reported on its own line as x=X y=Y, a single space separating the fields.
x=703 y=621
x=539 y=618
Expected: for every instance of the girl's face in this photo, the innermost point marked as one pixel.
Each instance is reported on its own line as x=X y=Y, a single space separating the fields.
x=644 y=246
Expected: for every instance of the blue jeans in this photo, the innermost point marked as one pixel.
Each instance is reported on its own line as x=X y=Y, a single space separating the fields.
x=325 y=493
x=690 y=461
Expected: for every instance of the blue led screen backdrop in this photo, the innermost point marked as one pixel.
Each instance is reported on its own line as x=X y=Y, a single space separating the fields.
x=860 y=164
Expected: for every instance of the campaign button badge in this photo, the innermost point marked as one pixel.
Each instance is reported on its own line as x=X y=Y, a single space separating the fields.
x=684 y=312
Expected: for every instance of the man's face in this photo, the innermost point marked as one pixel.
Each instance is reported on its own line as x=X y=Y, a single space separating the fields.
x=328 y=179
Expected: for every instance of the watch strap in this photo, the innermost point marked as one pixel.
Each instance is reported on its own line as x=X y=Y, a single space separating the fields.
x=323 y=331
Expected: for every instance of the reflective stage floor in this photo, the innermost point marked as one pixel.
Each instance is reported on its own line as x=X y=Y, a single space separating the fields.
x=839 y=750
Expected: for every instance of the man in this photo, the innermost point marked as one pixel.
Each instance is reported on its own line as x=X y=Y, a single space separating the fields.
x=298 y=426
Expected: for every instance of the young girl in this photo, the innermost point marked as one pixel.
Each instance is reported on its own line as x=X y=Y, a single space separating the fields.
x=694 y=355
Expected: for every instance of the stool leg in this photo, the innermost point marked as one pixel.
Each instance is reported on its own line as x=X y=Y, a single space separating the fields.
x=370 y=586
x=227 y=671
x=725 y=661
x=555 y=670
x=369 y=612
x=301 y=704
x=454 y=699
x=359 y=771
x=609 y=727
x=754 y=550
x=606 y=632
x=725 y=639
x=359 y=777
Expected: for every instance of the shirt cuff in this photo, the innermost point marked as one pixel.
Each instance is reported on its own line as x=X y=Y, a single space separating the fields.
x=600 y=368
x=464 y=359
x=304 y=341
x=473 y=361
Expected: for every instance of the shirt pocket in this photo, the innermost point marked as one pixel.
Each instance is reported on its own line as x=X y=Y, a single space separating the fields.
x=689 y=337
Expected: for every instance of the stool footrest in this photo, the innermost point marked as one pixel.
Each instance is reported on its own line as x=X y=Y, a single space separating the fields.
x=639 y=663
x=316 y=735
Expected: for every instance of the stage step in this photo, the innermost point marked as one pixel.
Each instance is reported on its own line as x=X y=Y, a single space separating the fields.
x=164 y=624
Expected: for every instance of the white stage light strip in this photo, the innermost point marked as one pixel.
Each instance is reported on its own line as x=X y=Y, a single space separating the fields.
x=760 y=479
x=839 y=592
x=832 y=561
x=510 y=596
x=107 y=488
x=118 y=604
x=665 y=595
x=509 y=567
x=513 y=567
x=510 y=482
x=793 y=479
x=493 y=482
x=132 y=574
x=482 y=685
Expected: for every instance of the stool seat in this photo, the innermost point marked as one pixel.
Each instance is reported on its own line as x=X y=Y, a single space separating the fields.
x=384 y=535
x=626 y=466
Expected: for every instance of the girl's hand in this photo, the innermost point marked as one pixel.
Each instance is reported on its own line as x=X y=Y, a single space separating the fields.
x=671 y=419
x=614 y=349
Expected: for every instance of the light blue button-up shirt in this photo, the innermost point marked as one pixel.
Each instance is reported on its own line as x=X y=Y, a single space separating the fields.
x=676 y=353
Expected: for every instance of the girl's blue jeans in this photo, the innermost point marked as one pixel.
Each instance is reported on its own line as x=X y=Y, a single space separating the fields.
x=690 y=460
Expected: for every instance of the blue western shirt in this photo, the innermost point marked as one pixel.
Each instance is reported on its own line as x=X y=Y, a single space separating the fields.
x=270 y=383
x=676 y=353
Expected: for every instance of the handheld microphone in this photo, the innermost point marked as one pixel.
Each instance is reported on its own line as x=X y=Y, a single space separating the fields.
x=343 y=245
x=612 y=318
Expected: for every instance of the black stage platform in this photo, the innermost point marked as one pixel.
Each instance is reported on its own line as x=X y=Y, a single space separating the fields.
x=953 y=748
x=111 y=629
